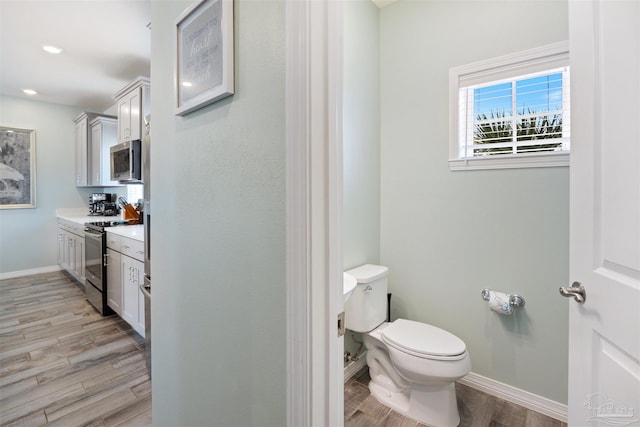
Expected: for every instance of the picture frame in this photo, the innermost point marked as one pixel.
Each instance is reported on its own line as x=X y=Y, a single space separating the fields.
x=17 y=168
x=205 y=58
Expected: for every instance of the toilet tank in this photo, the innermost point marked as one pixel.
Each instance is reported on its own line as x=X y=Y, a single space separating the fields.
x=367 y=306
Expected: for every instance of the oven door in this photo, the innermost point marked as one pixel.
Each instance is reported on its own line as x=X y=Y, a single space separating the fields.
x=94 y=254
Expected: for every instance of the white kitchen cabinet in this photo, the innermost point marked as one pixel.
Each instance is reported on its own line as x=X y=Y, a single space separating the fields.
x=134 y=103
x=114 y=280
x=132 y=276
x=103 y=135
x=78 y=256
x=124 y=275
x=92 y=149
x=71 y=255
x=82 y=143
x=61 y=252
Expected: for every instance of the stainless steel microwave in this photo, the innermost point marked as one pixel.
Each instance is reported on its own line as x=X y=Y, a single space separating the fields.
x=126 y=162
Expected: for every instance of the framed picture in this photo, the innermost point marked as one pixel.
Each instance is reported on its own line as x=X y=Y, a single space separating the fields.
x=204 y=68
x=17 y=168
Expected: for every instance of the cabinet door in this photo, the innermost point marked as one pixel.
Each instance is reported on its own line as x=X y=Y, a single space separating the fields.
x=129 y=116
x=81 y=153
x=114 y=281
x=79 y=256
x=124 y=120
x=108 y=138
x=61 y=259
x=134 y=108
x=95 y=167
x=70 y=253
x=129 y=294
x=139 y=280
x=103 y=137
x=132 y=275
x=66 y=245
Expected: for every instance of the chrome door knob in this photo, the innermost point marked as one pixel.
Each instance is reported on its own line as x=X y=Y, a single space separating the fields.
x=576 y=290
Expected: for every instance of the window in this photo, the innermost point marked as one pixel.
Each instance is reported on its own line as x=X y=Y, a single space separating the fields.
x=511 y=111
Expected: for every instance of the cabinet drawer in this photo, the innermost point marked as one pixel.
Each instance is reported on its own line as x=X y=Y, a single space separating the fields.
x=133 y=248
x=71 y=227
x=114 y=241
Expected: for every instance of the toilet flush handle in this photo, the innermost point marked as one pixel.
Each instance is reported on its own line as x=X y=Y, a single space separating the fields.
x=368 y=289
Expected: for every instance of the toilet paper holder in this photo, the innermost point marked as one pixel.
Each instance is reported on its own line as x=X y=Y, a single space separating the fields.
x=514 y=300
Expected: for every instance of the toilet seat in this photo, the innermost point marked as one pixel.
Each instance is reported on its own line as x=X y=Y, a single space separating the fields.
x=423 y=340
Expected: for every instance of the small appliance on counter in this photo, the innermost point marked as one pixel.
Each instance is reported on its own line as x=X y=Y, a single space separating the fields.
x=103 y=204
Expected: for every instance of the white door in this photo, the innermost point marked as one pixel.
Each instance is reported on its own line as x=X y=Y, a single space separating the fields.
x=604 y=331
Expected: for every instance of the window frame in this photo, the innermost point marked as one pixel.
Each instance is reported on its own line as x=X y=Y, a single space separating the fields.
x=510 y=66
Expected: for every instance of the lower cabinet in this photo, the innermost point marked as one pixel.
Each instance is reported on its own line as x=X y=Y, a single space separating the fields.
x=124 y=276
x=71 y=255
x=114 y=281
x=132 y=277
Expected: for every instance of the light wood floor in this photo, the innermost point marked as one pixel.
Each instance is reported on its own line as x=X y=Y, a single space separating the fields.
x=477 y=409
x=62 y=363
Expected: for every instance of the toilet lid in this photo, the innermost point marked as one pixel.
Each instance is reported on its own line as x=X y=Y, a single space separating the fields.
x=422 y=339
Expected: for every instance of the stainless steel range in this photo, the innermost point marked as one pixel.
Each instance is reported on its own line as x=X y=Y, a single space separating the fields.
x=95 y=247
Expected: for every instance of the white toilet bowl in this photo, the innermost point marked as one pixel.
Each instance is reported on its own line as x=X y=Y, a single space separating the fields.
x=413 y=367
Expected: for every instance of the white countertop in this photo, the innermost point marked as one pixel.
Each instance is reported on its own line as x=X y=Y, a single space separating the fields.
x=84 y=219
x=135 y=232
x=79 y=216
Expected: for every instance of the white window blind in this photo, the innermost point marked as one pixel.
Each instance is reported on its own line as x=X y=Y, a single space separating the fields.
x=511 y=111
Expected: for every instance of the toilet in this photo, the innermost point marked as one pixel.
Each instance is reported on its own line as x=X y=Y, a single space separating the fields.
x=412 y=365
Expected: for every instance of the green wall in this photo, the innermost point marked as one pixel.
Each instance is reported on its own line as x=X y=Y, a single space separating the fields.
x=28 y=236
x=361 y=141
x=218 y=246
x=447 y=235
x=361 y=134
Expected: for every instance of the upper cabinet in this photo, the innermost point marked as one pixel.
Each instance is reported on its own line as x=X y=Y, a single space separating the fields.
x=95 y=134
x=104 y=132
x=134 y=103
x=82 y=148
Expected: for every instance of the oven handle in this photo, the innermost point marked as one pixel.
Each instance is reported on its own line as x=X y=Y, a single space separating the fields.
x=97 y=235
x=146 y=289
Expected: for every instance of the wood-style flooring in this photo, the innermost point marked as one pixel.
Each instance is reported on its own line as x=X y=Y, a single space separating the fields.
x=477 y=409
x=62 y=363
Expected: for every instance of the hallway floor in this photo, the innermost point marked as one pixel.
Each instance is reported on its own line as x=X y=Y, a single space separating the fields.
x=62 y=363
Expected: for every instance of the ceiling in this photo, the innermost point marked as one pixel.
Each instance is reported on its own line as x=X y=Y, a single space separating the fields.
x=106 y=44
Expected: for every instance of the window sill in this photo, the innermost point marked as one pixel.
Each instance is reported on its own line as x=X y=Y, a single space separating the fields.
x=511 y=162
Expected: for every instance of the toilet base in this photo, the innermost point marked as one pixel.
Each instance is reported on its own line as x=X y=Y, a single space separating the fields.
x=434 y=406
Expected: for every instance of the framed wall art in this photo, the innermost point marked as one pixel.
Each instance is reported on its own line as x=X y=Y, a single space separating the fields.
x=204 y=63
x=17 y=168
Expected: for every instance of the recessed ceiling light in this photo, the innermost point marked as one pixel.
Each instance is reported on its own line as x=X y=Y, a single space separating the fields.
x=187 y=84
x=52 y=49
x=30 y=91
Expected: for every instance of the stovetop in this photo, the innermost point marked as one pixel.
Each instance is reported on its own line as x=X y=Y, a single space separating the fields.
x=101 y=225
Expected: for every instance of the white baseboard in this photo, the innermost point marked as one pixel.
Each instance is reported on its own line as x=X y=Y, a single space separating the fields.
x=14 y=274
x=515 y=395
x=354 y=366
x=503 y=391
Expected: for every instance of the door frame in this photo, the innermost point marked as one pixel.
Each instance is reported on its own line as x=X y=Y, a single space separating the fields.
x=313 y=98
